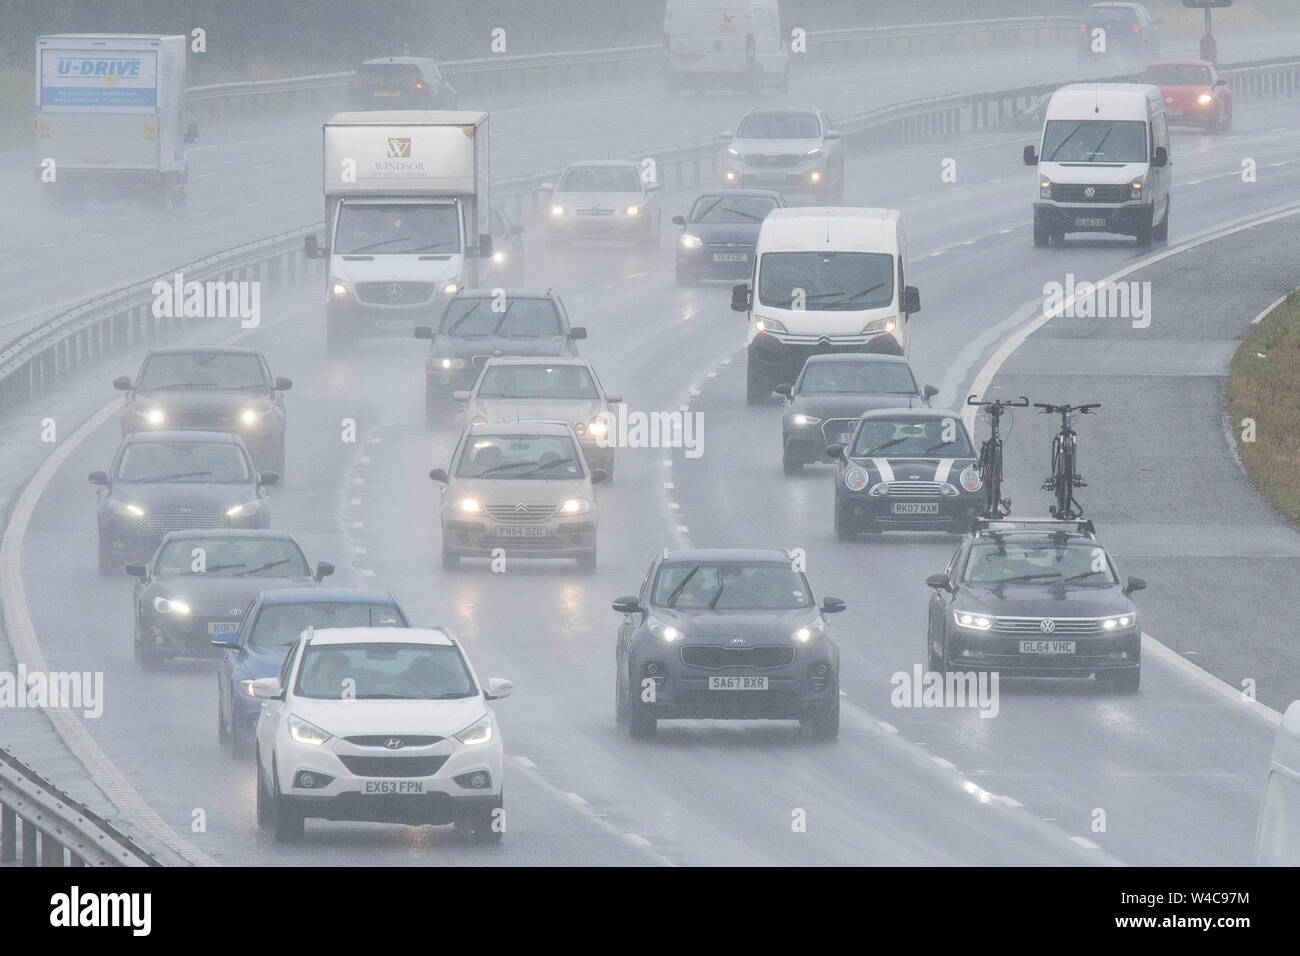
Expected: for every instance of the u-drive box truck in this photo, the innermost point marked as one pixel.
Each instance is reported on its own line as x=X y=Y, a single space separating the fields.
x=406 y=219
x=110 y=116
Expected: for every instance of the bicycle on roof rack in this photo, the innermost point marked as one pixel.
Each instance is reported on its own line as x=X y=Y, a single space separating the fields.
x=1065 y=475
x=990 y=461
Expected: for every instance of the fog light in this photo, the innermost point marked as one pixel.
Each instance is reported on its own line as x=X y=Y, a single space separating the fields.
x=652 y=668
x=815 y=176
x=821 y=670
x=309 y=780
x=474 y=780
x=731 y=176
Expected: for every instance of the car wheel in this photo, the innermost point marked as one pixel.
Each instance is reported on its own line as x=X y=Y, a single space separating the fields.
x=278 y=463
x=622 y=691
x=825 y=725
x=1042 y=234
x=933 y=659
x=757 y=389
x=1161 y=232
x=287 y=819
x=334 y=341
x=264 y=817
x=641 y=722
x=108 y=562
x=1146 y=230
x=791 y=466
x=587 y=561
x=784 y=88
x=450 y=559
x=479 y=826
x=844 y=530
x=1226 y=125
x=223 y=735
x=1125 y=682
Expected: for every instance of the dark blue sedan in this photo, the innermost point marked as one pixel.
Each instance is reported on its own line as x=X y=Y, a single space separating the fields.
x=271 y=626
x=719 y=235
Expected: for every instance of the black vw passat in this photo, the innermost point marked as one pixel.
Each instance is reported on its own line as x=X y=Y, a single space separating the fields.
x=726 y=634
x=832 y=391
x=1036 y=599
x=173 y=481
x=199 y=583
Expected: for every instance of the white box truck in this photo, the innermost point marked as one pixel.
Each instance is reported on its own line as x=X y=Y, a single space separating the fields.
x=406 y=218
x=111 y=117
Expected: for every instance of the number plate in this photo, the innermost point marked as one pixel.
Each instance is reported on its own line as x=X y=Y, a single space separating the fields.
x=395 y=325
x=1047 y=647
x=737 y=683
x=1173 y=112
x=520 y=531
x=223 y=627
x=1100 y=223
x=392 y=786
x=388 y=93
x=915 y=507
x=730 y=257
x=770 y=177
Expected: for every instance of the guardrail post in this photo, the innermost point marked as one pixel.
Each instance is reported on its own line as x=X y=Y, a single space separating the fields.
x=29 y=843
x=8 y=834
x=51 y=851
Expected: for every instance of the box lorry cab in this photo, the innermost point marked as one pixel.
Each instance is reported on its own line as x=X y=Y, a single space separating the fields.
x=1103 y=164
x=725 y=44
x=1277 y=841
x=111 y=116
x=407 y=211
x=826 y=279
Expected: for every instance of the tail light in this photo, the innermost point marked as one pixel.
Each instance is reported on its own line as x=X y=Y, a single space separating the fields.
x=1083 y=28
x=1137 y=28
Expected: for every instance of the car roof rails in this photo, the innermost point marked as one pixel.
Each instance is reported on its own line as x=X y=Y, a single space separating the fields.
x=1082 y=526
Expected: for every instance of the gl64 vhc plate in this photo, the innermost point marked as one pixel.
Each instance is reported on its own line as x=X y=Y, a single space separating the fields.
x=1047 y=647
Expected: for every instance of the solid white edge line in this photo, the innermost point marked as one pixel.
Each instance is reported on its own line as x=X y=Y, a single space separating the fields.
x=1259 y=318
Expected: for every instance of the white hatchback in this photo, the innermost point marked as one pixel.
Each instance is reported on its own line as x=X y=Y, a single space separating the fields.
x=381 y=724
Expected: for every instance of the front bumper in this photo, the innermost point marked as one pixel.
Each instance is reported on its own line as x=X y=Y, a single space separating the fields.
x=990 y=651
x=796 y=179
x=348 y=318
x=953 y=513
x=556 y=538
x=782 y=361
x=702 y=262
x=185 y=636
x=136 y=539
x=1123 y=219
x=614 y=226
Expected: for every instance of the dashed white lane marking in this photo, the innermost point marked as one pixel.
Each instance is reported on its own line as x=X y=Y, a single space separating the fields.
x=356 y=501
x=673 y=505
x=945 y=764
x=526 y=762
x=367 y=573
x=668 y=485
x=638 y=839
x=712 y=375
x=1084 y=842
x=1009 y=801
x=365 y=459
x=667 y=462
x=1259 y=318
x=576 y=798
x=726 y=361
x=886 y=726
x=359 y=550
x=683 y=529
x=355 y=524
x=358 y=481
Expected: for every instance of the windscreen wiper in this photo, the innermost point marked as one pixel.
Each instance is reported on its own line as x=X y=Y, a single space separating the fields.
x=671 y=600
x=265 y=567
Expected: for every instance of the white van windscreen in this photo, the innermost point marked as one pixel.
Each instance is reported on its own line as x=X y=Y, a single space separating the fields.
x=1095 y=141
x=401 y=228
x=831 y=281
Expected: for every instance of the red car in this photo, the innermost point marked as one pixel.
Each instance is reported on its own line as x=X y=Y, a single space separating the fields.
x=1194 y=93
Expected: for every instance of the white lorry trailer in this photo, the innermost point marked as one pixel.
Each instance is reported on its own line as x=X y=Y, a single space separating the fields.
x=111 y=117
x=406 y=218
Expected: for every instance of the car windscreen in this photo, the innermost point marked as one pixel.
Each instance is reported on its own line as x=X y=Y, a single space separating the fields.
x=538 y=383
x=403 y=228
x=779 y=126
x=1095 y=141
x=833 y=281
x=233 y=557
x=384 y=672
x=732 y=208
x=832 y=377
x=1177 y=74
x=183 y=370
x=1068 y=560
x=912 y=438
x=730 y=586
x=539 y=457
x=1112 y=14
x=509 y=317
x=184 y=462
x=600 y=179
x=279 y=624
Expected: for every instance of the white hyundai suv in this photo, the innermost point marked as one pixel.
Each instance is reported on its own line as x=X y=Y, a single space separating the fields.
x=383 y=724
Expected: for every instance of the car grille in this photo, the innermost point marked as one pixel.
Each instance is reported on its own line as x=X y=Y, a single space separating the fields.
x=381 y=740
x=161 y=524
x=832 y=427
x=1074 y=192
x=520 y=512
x=782 y=159
x=1033 y=625
x=914 y=489
x=182 y=419
x=394 y=766
x=395 y=293
x=719 y=656
x=594 y=211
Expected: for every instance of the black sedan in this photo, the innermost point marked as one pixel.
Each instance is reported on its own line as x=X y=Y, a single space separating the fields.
x=170 y=481
x=1035 y=598
x=832 y=391
x=400 y=83
x=719 y=235
x=905 y=469
x=726 y=634
x=199 y=583
x=479 y=324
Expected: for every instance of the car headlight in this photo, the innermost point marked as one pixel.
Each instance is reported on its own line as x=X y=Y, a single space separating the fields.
x=1111 y=623
x=1044 y=188
x=815 y=176
x=450 y=289
x=338 y=288
x=879 y=325
x=855 y=479
x=448 y=364
x=154 y=416
x=1205 y=99
x=125 y=509
x=804 y=420
x=768 y=325
x=665 y=632
x=306 y=733
x=970 y=478
x=596 y=428
x=170 y=606
x=498 y=257
x=479 y=732
x=730 y=176
x=809 y=632
x=253 y=416
x=575 y=506
x=478 y=420
x=691 y=242
x=731 y=150
x=1135 y=189
x=467 y=505
x=815 y=151
x=634 y=210
x=245 y=510
x=880 y=488
x=557 y=210
x=972 y=622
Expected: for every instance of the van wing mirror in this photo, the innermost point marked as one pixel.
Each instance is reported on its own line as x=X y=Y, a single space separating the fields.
x=1030 y=156
x=1161 y=157
x=310 y=246
x=192 y=132
x=484 y=250
x=740 y=297
x=122 y=383
x=911 y=299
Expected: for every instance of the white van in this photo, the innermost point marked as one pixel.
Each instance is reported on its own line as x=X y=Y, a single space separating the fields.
x=725 y=44
x=1104 y=163
x=1277 y=841
x=826 y=279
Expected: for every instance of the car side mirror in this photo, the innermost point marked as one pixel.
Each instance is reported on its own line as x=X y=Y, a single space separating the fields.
x=515 y=231
x=122 y=383
x=498 y=687
x=98 y=477
x=833 y=605
x=423 y=332
x=929 y=392
x=740 y=297
x=832 y=134
x=323 y=570
x=835 y=452
x=679 y=220
x=283 y=384
x=192 y=132
x=440 y=475
x=651 y=187
x=599 y=475
x=726 y=134
x=937 y=581
x=1030 y=156
x=225 y=639
x=1135 y=584
x=627 y=605
x=549 y=187
x=1160 y=158
x=310 y=246
x=577 y=332
x=460 y=396
x=1221 y=82
x=911 y=299
x=784 y=389
x=264 y=688
x=268 y=478
x=137 y=569
x=613 y=398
